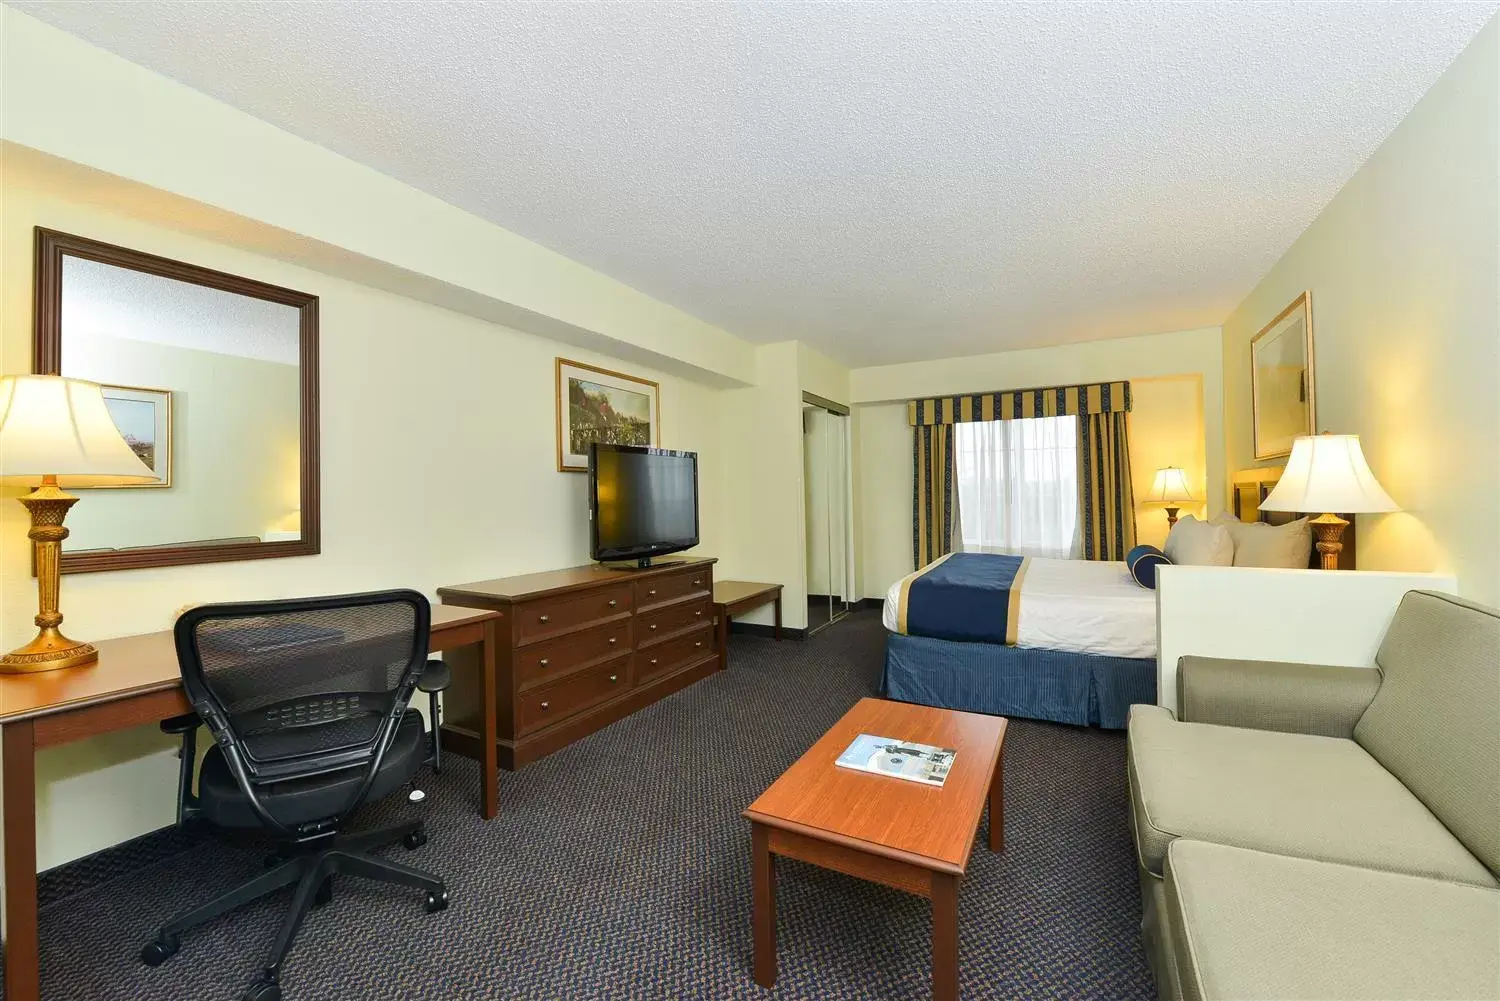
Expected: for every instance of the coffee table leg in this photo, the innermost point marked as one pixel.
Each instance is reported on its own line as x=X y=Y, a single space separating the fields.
x=764 y=878
x=997 y=804
x=944 y=937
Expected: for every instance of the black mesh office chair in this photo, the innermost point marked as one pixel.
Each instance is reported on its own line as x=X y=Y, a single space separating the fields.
x=308 y=702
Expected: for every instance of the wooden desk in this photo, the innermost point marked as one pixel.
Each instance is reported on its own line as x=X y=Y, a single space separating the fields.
x=135 y=682
x=735 y=597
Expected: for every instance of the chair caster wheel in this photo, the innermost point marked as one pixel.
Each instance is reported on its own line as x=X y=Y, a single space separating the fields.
x=263 y=990
x=436 y=902
x=158 y=952
x=416 y=839
x=324 y=894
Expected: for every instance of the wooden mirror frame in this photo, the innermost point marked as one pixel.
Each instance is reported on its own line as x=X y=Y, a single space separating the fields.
x=51 y=248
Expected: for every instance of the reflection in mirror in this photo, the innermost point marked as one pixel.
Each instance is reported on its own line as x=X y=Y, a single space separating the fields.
x=207 y=385
x=1282 y=380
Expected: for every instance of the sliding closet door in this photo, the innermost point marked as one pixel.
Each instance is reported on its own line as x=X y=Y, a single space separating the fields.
x=825 y=477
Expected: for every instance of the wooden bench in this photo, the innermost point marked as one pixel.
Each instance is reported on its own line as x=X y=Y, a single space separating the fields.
x=736 y=597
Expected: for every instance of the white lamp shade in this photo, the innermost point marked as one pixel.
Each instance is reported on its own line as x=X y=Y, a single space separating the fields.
x=1171 y=487
x=1327 y=473
x=52 y=426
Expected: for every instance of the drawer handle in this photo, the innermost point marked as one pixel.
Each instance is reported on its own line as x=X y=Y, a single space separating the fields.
x=699 y=643
x=697 y=583
x=698 y=612
x=652 y=591
x=612 y=641
x=545 y=619
x=653 y=660
x=544 y=662
x=545 y=706
x=614 y=677
x=613 y=603
x=653 y=627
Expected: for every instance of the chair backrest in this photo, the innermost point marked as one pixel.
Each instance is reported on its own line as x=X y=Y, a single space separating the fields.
x=303 y=687
x=1435 y=722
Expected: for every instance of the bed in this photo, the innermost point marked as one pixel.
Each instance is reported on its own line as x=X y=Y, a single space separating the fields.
x=1072 y=641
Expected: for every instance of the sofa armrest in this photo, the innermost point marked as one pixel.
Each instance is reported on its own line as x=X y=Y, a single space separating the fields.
x=1267 y=695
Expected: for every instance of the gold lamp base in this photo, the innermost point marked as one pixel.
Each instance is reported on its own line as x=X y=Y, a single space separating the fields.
x=50 y=650
x=1328 y=529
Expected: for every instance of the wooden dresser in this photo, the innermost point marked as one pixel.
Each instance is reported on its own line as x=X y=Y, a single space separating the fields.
x=579 y=649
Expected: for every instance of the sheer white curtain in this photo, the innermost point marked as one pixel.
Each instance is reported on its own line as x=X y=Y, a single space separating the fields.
x=1018 y=486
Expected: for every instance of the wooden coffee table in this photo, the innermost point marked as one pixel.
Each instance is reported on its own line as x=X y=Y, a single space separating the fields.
x=887 y=830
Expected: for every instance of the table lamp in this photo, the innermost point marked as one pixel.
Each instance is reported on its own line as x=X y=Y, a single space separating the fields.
x=1171 y=491
x=1327 y=473
x=57 y=431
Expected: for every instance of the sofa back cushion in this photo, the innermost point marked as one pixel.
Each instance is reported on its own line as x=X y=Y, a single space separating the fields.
x=1435 y=722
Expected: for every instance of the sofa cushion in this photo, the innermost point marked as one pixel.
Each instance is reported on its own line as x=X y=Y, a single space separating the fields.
x=1435 y=722
x=1251 y=925
x=1317 y=797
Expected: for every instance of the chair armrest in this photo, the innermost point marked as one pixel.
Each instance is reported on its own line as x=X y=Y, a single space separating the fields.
x=436 y=677
x=1267 y=695
x=178 y=725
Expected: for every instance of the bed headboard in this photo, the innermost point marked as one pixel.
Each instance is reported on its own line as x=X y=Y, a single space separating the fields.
x=1251 y=487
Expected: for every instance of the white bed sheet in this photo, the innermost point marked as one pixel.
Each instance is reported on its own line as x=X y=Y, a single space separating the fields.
x=1077 y=606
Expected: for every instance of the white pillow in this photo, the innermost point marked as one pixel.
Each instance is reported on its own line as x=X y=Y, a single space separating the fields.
x=1257 y=544
x=1197 y=543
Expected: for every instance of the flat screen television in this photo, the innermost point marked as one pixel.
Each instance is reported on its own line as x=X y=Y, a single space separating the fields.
x=643 y=502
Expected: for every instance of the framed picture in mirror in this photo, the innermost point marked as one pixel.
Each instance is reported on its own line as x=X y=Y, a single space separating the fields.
x=144 y=419
x=1282 y=384
x=232 y=436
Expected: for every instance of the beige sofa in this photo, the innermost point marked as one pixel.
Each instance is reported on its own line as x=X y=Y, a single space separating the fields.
x=1328 y=833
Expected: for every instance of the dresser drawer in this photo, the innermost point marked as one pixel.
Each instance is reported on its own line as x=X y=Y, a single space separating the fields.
x=653 y=627
x=673 y=587
x=564 y=613
x=547 y=704
x=539 y=662
x=664 y=658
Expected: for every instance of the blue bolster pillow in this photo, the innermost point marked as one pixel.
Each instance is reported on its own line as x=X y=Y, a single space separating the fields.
x=1143 y=561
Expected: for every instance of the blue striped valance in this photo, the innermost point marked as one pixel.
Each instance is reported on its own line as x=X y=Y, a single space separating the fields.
x=1056 y=401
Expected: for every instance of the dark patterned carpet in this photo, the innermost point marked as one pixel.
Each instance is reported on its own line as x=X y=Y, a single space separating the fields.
x=620 y=868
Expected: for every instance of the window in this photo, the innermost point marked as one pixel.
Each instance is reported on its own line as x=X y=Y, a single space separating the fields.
x=1018 y=486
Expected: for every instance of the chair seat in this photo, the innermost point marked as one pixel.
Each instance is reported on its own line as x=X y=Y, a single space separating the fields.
x=1316 y=797
x=305 y=800
x=1251 y=926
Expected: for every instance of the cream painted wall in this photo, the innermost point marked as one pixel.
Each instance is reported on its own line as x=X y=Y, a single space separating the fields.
x=422 y=409
x=1404 y=270
x=1166 y=429
x=1172 y=419
x=761 y=446
x=235 y=446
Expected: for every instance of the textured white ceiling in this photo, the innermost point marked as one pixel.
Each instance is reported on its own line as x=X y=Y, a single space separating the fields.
x=886 y=181
x=103 y=301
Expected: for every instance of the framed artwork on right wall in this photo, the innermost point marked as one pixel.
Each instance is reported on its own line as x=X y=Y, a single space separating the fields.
x=1282 y=386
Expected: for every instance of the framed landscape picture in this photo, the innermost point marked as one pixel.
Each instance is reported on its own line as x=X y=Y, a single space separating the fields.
x=595 y=404
x=144 y=419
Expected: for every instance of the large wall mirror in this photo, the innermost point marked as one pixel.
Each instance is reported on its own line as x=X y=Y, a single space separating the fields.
x=1281 y=380
x=212 y=378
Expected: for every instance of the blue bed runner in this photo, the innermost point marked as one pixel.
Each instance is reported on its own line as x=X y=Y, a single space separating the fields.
x=968 y=597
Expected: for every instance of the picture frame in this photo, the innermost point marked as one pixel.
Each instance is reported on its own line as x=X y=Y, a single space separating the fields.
x=143 y=417
x=1283 y=384
x=597 y=404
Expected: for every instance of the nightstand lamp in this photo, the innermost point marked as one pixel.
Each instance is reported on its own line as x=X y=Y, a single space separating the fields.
x=1327 y=473
x=57 y=431
x=1171 y=491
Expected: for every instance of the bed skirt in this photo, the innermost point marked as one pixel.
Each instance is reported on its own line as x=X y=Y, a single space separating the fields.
x=1016 y=681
